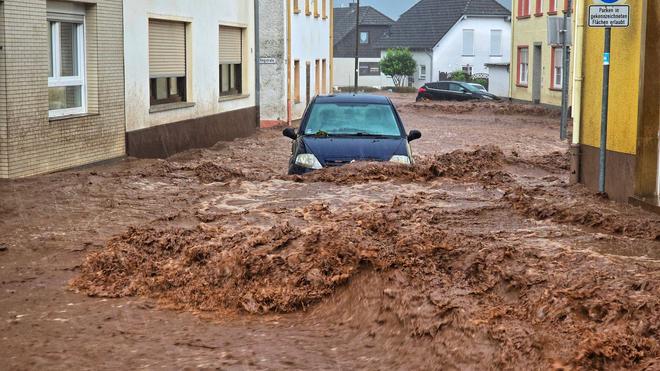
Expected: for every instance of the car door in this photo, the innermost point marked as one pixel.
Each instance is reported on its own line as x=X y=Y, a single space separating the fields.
x=456 y=92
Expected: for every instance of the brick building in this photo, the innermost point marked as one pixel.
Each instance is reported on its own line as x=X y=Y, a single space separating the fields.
x=61 y=85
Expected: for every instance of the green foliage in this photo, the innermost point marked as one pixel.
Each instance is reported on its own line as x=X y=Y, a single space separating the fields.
x=460 y=76
x=398 y=64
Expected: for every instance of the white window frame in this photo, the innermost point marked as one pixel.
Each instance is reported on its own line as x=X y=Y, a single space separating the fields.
x=523 y=67
x=495 y=52
x=58 y=81
x=558 y=65
x=422 y=72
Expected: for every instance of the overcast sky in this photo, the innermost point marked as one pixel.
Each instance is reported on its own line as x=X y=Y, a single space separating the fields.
x=394 y=8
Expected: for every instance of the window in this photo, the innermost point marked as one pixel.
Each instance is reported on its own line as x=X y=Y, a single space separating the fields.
x=496 y=43
x=324 y=4
x=316 y=8
x=231 y=60
x=324 y=67
x=296 y=77
x=66 y=68
x=167 y=61
x=467 y=69
x=308 y=10
x=539 y=8
x=364 y=37
x=554 y=5
x=369 y=69
x=524 y=8
x=557 y=67
x=422 y=72
x=468 y=42
x=296 y=6
x=523 y=65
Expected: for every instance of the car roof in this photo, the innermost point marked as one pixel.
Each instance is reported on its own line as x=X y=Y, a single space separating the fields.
x=353 y=98
x=456 y=82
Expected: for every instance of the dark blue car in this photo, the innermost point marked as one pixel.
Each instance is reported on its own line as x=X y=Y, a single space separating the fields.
x=340 y=129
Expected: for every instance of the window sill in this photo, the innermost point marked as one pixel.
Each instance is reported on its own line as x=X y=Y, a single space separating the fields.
x=71 y=117
x=325 y=17
x=522 y=85
x=170 y=107
x=538 y=15
x=296 y=11
x=554 y=12
x=524 y=17
x=556 y=89
x=226 y=98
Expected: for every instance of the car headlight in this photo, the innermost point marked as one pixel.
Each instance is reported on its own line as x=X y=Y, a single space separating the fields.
x=405 y=160
x=308 y=161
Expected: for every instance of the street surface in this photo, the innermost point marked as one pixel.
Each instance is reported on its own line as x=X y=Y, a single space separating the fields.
x=479 y=257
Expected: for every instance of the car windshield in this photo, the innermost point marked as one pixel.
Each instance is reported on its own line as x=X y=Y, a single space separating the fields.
x=352 y=119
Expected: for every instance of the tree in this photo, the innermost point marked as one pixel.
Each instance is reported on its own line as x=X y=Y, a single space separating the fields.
x=398 y=64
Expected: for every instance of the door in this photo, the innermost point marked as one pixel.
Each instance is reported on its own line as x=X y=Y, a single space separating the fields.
x=537 y=74
x=456 y=92
x=308 y=83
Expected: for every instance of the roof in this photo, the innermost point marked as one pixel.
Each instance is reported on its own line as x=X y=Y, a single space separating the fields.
x=353 y=98
x=344 y=20
x=427 y=22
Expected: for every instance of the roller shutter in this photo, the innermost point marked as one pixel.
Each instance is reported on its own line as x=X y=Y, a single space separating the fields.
x=167 y=49
x=231 y=45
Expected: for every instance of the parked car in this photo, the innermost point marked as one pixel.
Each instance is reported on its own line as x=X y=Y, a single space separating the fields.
x=454 y=90
x=479 y=87
x=341 y=129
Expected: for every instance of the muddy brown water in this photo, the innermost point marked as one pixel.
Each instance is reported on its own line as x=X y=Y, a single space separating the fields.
x=480 y=257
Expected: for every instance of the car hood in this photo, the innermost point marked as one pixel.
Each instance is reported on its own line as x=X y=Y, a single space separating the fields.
x=340 y=150
x=490 y=95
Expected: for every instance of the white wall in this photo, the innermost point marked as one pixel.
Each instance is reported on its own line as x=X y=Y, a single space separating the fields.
x=448 y=52
x=345 y=74
x=204 y=17
x=310 y=40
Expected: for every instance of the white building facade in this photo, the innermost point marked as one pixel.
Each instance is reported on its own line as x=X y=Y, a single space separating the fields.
x=295 y=38
x=189 y=74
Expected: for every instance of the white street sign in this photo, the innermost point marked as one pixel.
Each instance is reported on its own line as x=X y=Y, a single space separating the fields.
x=609 y=16
x=267 y=61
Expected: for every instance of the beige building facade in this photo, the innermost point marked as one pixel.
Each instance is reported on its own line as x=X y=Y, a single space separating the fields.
x=536 y=68
x=61 y=85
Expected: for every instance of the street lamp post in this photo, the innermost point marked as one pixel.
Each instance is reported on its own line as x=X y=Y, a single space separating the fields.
x=357 y=44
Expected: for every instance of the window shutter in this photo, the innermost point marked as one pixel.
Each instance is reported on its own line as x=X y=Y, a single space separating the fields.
x=167 y=49
x=495 y=42
x=231 y=45
x=468 y=42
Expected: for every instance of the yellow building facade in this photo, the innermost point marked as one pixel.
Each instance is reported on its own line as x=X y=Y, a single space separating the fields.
x=634 y=96
x=536 y=65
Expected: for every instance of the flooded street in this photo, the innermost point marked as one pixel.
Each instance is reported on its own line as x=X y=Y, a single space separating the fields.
x=481 y=256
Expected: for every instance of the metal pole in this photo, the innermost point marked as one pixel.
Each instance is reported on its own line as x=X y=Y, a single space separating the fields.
x=357 y=45
x=566 y=57
x=603 y=117
x=257 y=69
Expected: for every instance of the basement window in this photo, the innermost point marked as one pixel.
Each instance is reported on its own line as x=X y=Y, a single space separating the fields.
x=66 y=65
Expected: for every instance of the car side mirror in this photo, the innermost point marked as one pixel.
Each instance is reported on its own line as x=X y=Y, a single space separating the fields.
x=414 y=135
x=290 y=133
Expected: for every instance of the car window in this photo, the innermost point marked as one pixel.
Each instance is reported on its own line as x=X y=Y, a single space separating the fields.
x=455 y=87
x=443 y=86
x=352 y=119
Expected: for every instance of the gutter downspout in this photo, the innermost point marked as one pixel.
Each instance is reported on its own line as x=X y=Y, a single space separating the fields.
x=431 y=58
x=513 y=66
x=578 y=56
x=289 y=102
x=257 y=65
x=332 y=47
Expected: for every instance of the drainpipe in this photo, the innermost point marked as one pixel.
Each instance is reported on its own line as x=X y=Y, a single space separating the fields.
x=257 y=65
x=289 y=93
x=577 y=91
x=429 y=52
